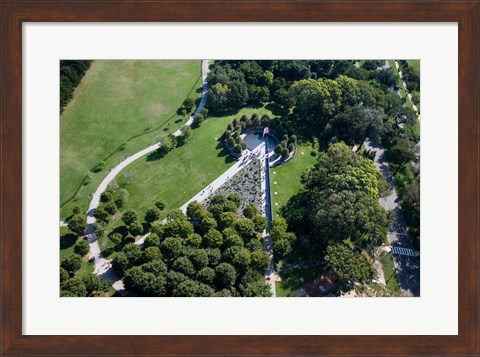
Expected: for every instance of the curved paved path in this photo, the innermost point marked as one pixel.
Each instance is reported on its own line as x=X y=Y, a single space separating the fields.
x=102 y=265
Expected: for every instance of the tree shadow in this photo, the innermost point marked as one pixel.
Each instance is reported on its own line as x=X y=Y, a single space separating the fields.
x=156 y=155
x=67 y=241
x=223 y=152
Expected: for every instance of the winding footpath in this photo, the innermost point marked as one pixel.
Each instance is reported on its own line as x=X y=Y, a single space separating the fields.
x=103 y=266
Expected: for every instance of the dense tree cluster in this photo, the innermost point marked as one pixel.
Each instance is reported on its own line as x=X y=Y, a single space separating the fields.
x=337 y=211
x=71 y=73
x=208 y=252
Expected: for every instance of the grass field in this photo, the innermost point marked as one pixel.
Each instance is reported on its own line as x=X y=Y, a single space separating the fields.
x=285 y=179
x=389 y=271
x=119 y=103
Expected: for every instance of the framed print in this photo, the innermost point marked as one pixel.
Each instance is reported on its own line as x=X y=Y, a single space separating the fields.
x=268 y=152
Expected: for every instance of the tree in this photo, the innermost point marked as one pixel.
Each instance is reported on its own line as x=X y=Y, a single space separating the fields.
x=120 y=263
x=152 y=214
x=179 y=227
x=195 y=211
x=198 y=119
x=186 y=133
x=92 y=283
x=135 y=228
x=194 y=240
x=100 y=213
x=156 y=267
x=245 y=228
x=106 y=196
x=160 y=204
x=129 y=217
x=347 y=264
x=260 y=223
x=225 y=275
x=340 y=169
x=213 y=239
x=152 y=240
x=167 y=144
x=189 y=103
x=206 y=275
x=151 y=254
x=250 y=211
x=81 y=248
x=184 y=265
x=241 y=260
x=77 y=210
x=110 y=208
x=133 y=253
x=403 y=152
x=171 y=247
x=235 y=198
x=191 y=288
x=260 y=260
x=355 y=124
x=231 y=238
x=226 y=219
x=199 y=258
x=63 y=275
x=278 y=149
x=71 y=263
x=256 y=289
x=73 y=287
x=214 y=256
x=77 y=223
x=217 y=97
x=207 y=222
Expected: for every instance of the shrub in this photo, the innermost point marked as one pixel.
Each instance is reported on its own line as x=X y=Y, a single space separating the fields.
x=81 y=247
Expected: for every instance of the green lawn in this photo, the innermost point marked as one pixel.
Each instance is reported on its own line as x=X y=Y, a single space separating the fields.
x=285 y=179
x=119 y=104
x=389 y=271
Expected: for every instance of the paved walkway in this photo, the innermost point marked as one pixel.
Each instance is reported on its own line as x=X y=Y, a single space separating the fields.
x=406 y=267
x=102 y=265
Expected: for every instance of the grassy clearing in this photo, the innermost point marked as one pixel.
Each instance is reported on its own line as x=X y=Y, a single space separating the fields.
x=285 y=179
x=414 y=64
x=389 y=271
x=291 y=280
x=117 y=101
x=67 y=241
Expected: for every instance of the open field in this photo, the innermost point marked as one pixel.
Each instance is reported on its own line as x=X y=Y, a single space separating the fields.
x=285 y=179
x=119 y=105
